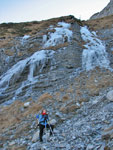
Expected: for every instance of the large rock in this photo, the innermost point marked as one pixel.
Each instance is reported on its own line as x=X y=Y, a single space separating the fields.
x=35 y=137
x=53 y=122
x=110 y=95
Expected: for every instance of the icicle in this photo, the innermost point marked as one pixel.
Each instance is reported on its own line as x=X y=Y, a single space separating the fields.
x=31 y=72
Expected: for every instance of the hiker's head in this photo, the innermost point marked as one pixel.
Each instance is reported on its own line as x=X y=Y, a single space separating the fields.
x=44 y=112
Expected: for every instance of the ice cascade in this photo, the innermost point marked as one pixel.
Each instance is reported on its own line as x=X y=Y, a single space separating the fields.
x=38 y=59
x=62 y=34
x=95 y=53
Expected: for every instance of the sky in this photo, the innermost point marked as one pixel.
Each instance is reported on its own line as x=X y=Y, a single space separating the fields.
x=31 y=10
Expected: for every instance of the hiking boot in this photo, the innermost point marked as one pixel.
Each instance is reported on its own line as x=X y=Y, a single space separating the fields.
x=51 y=133
x=41 y=140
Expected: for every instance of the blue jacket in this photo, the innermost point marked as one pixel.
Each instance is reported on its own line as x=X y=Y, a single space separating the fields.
x=43 y=119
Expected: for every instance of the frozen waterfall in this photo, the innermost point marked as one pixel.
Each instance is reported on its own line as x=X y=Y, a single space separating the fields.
x=38 y=59
x=95 y=53
x=62 y=34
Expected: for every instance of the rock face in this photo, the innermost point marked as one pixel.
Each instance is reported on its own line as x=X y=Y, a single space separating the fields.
x=44 y=61
x=46 y=55
x=108 y=10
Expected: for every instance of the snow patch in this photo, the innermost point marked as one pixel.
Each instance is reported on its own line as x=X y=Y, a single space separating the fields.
x=95 y=53
x=62 y=34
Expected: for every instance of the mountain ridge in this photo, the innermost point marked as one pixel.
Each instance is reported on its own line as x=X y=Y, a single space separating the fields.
x=107 y=11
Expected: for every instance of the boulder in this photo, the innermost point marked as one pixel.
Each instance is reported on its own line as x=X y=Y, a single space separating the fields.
x=53 y=122
x=35 y=137
x=90 y=147
x=110 y=95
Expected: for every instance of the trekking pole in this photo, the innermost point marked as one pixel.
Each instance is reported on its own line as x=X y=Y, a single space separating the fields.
x=51 y=129
x=45 y=131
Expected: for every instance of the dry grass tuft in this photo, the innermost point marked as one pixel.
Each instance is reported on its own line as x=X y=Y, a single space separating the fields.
x=101 y=23
x=5 y=43
x=43 y=98
x=16 y=113
x=9 y=52
x=10 y=115
x=15 y=147
x=56 y=47
x=62 y=89
x=69 y=108
x=33 y=109
x=65 y=98
x=70 y=90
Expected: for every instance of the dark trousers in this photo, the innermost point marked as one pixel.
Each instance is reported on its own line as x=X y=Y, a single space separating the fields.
x=41 y=127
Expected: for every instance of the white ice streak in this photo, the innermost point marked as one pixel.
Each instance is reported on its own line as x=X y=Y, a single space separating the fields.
x=26 y=37
x=62 y=34
x=64 y=24
x=95 y=53
x=14 y=73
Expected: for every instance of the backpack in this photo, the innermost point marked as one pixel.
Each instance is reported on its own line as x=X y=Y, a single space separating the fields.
x=43 y=119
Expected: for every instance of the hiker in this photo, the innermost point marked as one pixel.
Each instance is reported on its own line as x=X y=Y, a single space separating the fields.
x=43 y=123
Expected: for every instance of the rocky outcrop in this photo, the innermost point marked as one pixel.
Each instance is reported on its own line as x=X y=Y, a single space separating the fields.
x=108 y=10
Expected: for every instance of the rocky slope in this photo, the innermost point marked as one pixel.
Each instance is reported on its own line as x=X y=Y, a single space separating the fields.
x=65 y=67
x=83 y=110
x=107 y=11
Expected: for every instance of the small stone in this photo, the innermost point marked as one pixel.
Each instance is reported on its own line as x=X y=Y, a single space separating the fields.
x=68 y=146
x=90 y=147
x=60 y=145
x=43 y=147
x=102 y=147
x=26 y=104
x=34 y=146
x=46 y=136
x=12 y=143
x=59 y=115
x=63 y=134
x=73 y=137
x=78 y=104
